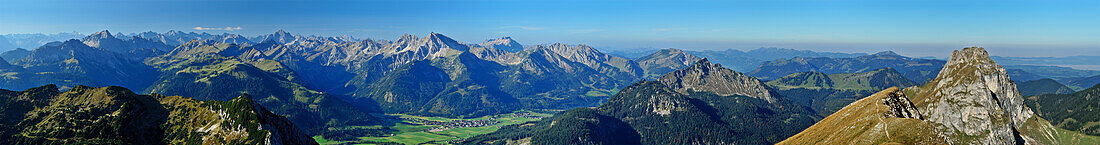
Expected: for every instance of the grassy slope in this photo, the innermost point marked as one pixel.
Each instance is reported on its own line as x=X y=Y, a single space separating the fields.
x=863 y=123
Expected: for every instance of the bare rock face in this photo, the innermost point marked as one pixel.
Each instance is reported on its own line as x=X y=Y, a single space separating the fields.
x=900 y=107
x=706 y=77
x=972 y=101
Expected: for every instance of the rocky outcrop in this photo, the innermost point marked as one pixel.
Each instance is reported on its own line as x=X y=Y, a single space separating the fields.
x=706 y=77
x=899 y=106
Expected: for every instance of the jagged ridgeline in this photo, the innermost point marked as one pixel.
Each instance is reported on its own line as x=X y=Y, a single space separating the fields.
x=701 y=104
x=326 y=84
x=971 y=101
x=115 y=115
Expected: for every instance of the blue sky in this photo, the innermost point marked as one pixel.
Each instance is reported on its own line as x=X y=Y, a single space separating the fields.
x=916 y=28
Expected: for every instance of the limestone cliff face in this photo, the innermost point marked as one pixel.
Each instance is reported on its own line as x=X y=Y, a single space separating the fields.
x=706 y=77
x=973 y=101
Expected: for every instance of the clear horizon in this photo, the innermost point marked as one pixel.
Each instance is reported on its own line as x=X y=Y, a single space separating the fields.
x=911 y=28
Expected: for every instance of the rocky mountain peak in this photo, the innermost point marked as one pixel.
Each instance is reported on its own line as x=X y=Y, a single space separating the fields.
x=102 y=34
x=970 y=55
x=433 y=35
x=102 y=39
x=440 y=38
x=438 y=41
x=170 y=32
x=704 y=76
x=971 y=82
x=281 y=37
x=281 y=32
x=407 y=37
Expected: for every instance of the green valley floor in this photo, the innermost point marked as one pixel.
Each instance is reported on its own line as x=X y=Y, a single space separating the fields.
x=412 y=129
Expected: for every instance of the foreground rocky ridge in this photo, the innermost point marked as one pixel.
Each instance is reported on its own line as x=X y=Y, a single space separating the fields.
x=971 y=82
x=115 y=115
x=971 y=101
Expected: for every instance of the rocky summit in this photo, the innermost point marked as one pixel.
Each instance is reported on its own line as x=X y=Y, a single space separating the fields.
x=971 y=101
x=706 y=77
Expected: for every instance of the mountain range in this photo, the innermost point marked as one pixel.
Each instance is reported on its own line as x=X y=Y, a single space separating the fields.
x=916 y=69
x=701 y=104
x=322 y=84
x=743 y=60
x=340 y=88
